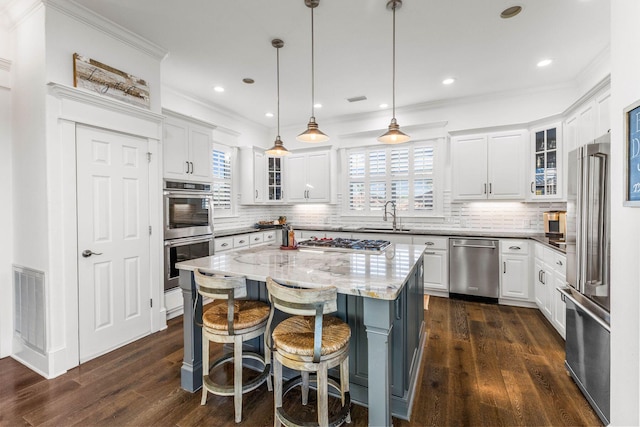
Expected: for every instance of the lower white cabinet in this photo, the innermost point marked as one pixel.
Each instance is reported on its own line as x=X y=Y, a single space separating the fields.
x=514 y=270
x=436 y=264
x=549 y=274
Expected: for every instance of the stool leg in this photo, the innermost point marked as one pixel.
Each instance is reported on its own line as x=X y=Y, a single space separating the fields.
x=323 y=395
x=344 y=383
x=267 y=360
x=237 y=376
x=305 y=387
x=205 y=367
x=277 y=390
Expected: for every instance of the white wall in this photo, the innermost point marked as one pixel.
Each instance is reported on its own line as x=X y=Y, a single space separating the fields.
x=625 y=224
x=6 y=290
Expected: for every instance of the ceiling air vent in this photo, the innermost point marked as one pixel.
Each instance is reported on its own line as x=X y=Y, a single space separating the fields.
x=357 y=98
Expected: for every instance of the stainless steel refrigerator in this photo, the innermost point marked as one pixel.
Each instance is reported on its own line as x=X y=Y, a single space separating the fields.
x=587 y=294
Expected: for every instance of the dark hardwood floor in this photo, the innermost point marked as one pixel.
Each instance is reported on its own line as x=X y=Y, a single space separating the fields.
x=484 y=365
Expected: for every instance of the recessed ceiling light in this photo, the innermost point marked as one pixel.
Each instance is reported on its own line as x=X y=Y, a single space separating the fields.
x=544 y=62
x=248 y=80
x=269 y=114
x=510 y=12
x=317 y=105
x=448 y=81
x=384 y=105
x=218 y=88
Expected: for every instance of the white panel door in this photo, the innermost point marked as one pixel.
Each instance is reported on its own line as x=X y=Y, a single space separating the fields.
x=200 y=154
x=296 y=190
x=175 y=151
x=318 y=183
x=469 y=167
x=113 y=240
x=506 y=166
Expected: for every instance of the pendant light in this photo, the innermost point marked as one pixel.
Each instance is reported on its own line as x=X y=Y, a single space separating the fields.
x=278 y=149
x=394 y=135
x=312 y=134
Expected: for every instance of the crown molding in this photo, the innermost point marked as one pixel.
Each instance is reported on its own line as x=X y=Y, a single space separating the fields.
x=106 y=26
x=17 y=11
x=86 y=97
x=173 y=113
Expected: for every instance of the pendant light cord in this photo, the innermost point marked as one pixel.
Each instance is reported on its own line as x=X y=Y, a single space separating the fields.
x=312 y=69
x=394 y=63
x=278 y=88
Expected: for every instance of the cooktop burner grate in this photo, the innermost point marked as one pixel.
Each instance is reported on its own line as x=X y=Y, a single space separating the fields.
x=342 y=243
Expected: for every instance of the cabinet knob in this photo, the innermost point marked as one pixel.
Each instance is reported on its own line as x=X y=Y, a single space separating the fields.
x=241 y=241
x=514 y=248
x=429 y=243
x=224 y=245
x=559 y=262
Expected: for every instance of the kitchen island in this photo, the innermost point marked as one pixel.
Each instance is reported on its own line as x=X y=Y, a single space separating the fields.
x=380 y=297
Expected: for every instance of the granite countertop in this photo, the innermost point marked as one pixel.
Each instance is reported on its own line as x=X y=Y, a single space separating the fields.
x=537 y=236
x=379 y=275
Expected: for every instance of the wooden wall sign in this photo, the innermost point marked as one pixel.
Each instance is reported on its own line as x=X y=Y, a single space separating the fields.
x=105 y=80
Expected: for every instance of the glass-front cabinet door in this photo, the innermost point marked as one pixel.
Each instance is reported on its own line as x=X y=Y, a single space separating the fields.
x=547 y=163
x=274 y=179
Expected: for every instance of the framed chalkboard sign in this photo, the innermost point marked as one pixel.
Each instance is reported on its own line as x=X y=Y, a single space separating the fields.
x=632 y=154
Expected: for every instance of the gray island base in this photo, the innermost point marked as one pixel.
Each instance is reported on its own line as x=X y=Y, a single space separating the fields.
x=380 y=296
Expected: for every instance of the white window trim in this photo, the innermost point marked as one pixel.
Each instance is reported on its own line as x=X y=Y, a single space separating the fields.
x=233 y=153
x=438 y=183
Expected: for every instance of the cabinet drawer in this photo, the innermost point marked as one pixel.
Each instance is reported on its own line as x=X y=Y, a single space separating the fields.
x=269 y=236
x=223 y=244
x=432 y=242
x=560 y=264
x=241 y=241
x=514 y=247
x=256 y=239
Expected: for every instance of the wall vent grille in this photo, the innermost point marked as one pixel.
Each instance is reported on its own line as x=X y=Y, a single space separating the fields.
x=29 y=307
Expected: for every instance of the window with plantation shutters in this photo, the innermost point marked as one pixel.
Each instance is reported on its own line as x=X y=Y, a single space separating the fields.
x=222 y=180
x=404 y=174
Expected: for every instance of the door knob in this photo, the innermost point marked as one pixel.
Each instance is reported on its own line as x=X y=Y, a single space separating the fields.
x=88 y=252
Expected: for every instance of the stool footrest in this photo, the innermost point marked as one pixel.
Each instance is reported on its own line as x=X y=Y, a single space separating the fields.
x=228 y=389
x=336 y=420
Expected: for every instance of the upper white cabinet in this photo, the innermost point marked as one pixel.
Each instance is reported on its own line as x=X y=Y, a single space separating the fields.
x=261 y=177
x=546 y=163
x=589 y=119
x=187 y=145
x=489 y=166
x=308 y=177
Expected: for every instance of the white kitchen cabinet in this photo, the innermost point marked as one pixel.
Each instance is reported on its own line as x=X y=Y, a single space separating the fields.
x=546 y=162
x=514 y=273
x=308 y=177
x=187 y=145
x=436 y=264
x=253 y=187
x=549 y=274
x=489 y=166
x=221 y=244
x=589 y=119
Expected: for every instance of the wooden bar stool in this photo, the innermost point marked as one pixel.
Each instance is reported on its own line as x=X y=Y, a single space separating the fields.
x=235 y=321
x=309 y=342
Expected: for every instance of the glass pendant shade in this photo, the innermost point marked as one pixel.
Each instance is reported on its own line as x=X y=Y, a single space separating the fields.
x=312 y=134
x=278 y=149
x=394 y=135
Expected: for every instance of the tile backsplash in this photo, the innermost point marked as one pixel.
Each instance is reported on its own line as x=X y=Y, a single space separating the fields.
x=491 y=215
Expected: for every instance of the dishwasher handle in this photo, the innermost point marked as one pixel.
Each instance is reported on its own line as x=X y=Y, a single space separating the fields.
x=465 y=245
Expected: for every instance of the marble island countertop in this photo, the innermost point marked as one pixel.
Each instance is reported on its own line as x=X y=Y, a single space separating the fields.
x=379 y=275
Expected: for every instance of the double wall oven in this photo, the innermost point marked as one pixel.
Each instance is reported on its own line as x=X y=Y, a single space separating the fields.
x=188 y=225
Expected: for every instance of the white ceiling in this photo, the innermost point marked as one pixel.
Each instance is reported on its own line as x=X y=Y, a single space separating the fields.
x=220 y=42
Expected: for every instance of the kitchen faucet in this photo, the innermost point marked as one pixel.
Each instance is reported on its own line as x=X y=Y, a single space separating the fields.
x=393 y=213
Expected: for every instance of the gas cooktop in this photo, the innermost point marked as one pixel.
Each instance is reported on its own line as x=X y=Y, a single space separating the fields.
x=346 y=244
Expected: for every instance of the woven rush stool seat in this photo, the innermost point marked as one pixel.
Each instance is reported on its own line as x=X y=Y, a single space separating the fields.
x=295 y=335
x=310 y=342
x=234 y=321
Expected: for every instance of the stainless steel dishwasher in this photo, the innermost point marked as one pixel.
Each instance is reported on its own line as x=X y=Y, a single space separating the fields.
x=474 y=267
